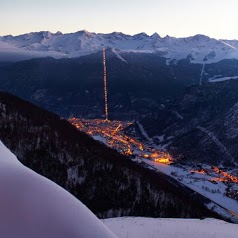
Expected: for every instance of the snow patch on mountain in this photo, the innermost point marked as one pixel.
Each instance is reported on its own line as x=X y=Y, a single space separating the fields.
x=231 y=123
x=119 y=56
x=202 y=72
x=143 y=132
x=34 y=207
x=216 y=141
x=233 y=47
x=101 y=139
x=215 y=79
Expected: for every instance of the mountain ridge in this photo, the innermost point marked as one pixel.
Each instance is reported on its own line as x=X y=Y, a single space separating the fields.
x=200 y=124
x=198 y=48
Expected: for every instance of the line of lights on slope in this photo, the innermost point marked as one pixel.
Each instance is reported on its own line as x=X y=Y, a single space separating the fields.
x=105 y=83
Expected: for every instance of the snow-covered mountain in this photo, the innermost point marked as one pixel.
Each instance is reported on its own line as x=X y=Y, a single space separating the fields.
x=198 y=48
x=33 y=206
x=131 y=227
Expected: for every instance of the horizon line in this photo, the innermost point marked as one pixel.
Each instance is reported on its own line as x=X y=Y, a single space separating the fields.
x=109 y=33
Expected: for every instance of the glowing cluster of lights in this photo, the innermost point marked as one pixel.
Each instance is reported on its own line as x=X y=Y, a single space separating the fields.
x=226 y=176
x=111 y=131
x=163 y=160
x=223 y=176
x=201 y=171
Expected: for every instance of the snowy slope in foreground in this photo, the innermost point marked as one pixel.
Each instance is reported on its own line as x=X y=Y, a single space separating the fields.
x=34 y=207
x=131 y=227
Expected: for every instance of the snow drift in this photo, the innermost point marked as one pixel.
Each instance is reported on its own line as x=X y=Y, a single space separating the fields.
x=32 y=206
x=131 y=227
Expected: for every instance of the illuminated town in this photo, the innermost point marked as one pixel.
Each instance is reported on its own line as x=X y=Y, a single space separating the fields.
x=112 y=134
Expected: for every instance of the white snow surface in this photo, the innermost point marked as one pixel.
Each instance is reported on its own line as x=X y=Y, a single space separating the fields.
x=199 y=48
x=119 y=56
x=100 y=138
x=216 y=141
x=138 y=227
x=143 y=132
x=202 y=72
x=34 y=207
x=215 y=79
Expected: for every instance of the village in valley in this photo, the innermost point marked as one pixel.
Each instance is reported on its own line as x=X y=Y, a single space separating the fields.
x=220 y=185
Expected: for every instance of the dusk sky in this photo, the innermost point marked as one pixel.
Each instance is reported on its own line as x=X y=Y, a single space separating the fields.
x=179 y=18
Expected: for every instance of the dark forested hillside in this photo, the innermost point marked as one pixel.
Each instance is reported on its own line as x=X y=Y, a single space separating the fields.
x=137 y=82
x=108 y=183
x=200 y=124
x=136 y=86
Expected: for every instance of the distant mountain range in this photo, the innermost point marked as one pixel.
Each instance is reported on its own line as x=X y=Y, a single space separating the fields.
x=198 y=48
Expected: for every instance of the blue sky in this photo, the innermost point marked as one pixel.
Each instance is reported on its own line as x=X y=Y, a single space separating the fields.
x=215 y=18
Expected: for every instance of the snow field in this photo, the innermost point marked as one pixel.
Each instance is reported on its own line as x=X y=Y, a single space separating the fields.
x=139 y=227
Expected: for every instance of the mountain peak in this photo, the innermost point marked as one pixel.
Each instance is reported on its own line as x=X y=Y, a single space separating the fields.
x=155 y=35
x=86 y=33
x=199 y=37
x=116 y=33
x=58 y=33
x=141 y=35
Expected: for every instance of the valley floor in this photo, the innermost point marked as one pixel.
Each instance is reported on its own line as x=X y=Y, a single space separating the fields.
x=201 y=183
